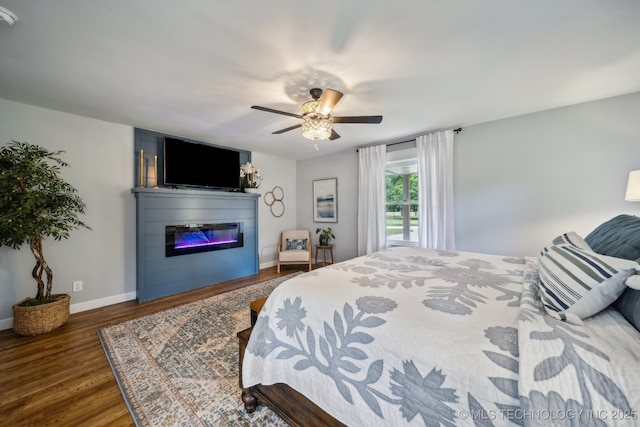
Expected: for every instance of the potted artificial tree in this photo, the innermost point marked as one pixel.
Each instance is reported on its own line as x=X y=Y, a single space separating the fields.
x=35 y=202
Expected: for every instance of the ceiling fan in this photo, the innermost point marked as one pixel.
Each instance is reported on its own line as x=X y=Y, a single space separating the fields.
x=316 y=116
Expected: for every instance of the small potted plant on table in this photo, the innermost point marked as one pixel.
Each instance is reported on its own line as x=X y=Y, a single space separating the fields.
x=325 y=235
x=35 y=202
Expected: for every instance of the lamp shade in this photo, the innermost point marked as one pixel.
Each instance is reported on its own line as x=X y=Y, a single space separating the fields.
x=633 y=187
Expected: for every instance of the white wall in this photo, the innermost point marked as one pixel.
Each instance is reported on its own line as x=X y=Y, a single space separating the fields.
x=343 y=166
x=282 y=173
x=518 y=182
x=100 y=155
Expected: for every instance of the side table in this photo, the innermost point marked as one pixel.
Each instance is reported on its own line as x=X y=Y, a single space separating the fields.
x=324 y=249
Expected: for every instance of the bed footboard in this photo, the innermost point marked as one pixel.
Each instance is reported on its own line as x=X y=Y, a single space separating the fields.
x=290 y=405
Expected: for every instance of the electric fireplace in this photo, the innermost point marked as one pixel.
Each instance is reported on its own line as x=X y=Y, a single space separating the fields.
x=194 y=238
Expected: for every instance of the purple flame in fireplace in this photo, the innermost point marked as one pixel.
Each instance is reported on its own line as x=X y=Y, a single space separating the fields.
x=193 y=238
x=197 y=237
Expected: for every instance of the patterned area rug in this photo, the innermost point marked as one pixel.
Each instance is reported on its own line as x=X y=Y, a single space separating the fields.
x=179 y=367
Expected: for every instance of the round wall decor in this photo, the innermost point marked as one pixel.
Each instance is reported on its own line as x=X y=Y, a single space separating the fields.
x=273 y=199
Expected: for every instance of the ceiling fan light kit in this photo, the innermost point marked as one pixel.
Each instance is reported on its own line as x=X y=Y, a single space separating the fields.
x=316 y=116
x=309 y=107
x=316 y=129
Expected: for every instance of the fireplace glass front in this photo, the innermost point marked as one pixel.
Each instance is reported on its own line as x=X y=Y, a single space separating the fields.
x=194 y=238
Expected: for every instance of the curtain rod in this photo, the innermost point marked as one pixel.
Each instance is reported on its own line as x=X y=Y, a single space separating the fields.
x=413 y=139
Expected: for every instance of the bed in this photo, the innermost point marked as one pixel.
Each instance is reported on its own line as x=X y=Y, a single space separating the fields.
x=410 y=336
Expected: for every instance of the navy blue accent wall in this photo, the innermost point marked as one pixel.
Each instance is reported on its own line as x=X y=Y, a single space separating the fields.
x=159 y=276
x=151 y=142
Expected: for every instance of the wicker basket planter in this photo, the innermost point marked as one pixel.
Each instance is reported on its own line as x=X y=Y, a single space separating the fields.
x=40 y=319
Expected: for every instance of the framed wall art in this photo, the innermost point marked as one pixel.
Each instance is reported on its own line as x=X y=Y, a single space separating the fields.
x=325 y=200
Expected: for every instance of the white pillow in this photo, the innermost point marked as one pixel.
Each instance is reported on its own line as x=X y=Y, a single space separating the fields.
x=576 y=283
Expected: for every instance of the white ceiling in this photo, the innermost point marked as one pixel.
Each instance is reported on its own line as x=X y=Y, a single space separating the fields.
x=193 y=68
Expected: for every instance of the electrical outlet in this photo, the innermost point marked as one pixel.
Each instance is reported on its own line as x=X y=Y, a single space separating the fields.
x=77 y=285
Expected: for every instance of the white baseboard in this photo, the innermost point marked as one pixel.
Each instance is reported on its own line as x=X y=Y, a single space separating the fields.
x=6 y=323
x=101 y=302
x=83 y=306
x=267 y=264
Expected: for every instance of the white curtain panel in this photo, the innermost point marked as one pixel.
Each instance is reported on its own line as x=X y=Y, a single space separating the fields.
x=371 y=199
x=435 y=190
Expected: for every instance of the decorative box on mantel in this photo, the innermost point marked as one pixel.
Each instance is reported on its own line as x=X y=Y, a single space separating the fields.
x=187 y=239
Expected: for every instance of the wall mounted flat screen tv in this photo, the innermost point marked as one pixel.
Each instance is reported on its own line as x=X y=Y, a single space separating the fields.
x=191 y=164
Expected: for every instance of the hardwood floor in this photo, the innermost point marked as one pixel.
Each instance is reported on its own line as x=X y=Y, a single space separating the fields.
x=63 y=378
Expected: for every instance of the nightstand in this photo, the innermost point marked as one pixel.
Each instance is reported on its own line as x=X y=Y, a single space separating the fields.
x=324 y=249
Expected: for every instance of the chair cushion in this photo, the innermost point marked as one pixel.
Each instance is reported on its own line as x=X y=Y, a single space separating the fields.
x=294 y=255
x=294 y=234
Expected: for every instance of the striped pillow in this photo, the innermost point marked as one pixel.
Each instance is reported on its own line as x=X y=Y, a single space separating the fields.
x=576 y=283
x=571 y=238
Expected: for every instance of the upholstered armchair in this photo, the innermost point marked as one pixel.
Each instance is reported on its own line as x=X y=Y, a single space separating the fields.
x=294 y=248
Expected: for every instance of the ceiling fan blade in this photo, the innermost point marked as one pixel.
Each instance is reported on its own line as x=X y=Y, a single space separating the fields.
x=327 y=101
x=334 y=135
x=357 y=119
x=287 y=129
x=271 y=110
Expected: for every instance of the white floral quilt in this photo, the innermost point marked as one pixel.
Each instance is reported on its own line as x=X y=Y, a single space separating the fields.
x=422 y=337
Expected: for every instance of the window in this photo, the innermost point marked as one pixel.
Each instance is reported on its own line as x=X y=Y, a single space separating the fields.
x=402 y=198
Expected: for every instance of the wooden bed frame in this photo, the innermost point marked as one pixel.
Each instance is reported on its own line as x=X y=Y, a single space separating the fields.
x=291 y=406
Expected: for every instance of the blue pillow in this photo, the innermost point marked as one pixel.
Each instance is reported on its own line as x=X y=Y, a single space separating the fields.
x=300 y=244
x=629 y=306
x=620 y=237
